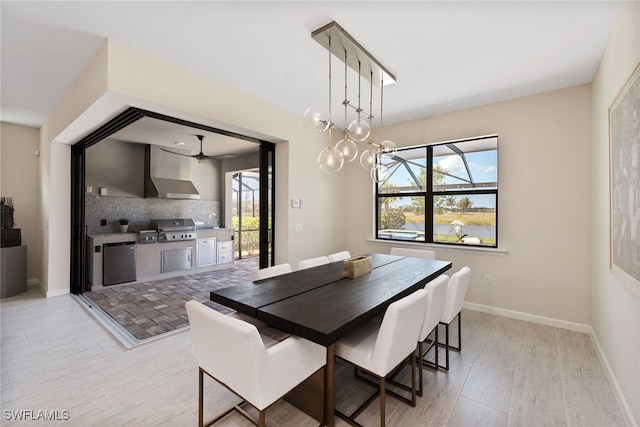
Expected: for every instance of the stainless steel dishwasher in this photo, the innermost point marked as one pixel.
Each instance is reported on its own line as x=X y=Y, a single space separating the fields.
x=118 y=263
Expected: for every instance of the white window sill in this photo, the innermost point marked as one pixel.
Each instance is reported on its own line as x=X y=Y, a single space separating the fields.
x=440 y=248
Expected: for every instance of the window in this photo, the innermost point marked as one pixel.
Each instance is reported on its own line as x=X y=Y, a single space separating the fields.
x=443 y=193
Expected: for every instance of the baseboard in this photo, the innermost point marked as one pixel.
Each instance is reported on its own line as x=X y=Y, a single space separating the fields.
x=622 y=402
x=47 y=294
x=35 y=283
x=57 y=293
x=578 y=327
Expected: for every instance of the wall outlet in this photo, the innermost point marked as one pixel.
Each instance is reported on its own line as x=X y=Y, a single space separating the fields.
x=486 y=279
x=297 y=228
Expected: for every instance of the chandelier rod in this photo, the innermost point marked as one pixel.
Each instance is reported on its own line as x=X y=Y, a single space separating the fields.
x=330 y=116
x=345 y=102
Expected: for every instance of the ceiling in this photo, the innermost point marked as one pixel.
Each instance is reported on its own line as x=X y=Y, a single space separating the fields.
x=446 y=55
x=178 y=137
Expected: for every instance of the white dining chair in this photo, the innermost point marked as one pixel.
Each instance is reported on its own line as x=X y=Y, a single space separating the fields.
x=264 y=329
x=378 y=349
x=437 y=290
x=312 y=262
x=266 y=273
x=436 y=296
x=456 y=291
x=233 y=353
x=339 y=256
x=414 y=253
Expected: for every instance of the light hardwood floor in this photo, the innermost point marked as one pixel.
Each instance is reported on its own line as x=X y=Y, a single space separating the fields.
x=55 y=356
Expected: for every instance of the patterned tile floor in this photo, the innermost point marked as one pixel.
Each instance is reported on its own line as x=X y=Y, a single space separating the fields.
x=153 y=308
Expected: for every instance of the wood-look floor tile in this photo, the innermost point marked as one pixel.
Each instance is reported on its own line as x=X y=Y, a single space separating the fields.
x=489 y=386
x=589 y=398
x=537 y=399
x=444 y=385
x=467 y=413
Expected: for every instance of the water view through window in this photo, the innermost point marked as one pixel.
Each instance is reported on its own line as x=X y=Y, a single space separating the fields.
x=457 y=204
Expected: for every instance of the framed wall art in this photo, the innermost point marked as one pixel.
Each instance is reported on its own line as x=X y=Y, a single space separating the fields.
x=624 y=181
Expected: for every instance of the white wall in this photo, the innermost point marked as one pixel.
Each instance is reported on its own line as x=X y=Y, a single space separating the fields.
x=543 y=202
x=615 y=305
x=20 y=180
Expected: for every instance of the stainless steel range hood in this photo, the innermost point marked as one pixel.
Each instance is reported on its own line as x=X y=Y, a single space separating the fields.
x=168 y=176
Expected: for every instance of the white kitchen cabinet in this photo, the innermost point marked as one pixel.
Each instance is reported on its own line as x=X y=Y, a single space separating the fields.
x=225 y=252
x=206 y=252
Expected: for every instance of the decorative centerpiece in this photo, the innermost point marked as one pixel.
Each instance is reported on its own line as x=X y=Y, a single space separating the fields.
x=124 y=225
x=356 y=266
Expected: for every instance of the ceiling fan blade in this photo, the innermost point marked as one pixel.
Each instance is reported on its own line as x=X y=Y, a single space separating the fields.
x=200 y=157
x=179 y=154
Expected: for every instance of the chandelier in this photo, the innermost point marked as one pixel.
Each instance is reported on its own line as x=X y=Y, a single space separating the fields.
x=356 y=124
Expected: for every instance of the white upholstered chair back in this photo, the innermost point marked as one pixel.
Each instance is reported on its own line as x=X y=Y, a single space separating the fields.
x=437 y=295
x=232 y=351
x=456 y=291
x=339 y=256
x=312 y=262
x=414 y=253
x=268 y=272
x=398 y=332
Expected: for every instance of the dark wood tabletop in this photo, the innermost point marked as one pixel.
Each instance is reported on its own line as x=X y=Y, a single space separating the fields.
x=327 y=313
x=248 y=297
x=322 y=306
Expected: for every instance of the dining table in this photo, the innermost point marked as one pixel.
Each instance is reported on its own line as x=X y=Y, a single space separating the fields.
x=321 y=305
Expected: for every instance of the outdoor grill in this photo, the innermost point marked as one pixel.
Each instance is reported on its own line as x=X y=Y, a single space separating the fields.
x=173 y=230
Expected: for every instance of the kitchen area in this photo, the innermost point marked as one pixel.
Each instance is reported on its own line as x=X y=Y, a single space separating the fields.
x=173 y=247
x=156 y=211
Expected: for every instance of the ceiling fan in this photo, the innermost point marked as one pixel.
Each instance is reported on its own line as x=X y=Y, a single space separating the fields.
x=200 y=156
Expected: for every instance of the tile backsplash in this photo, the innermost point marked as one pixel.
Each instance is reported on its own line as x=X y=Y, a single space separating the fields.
x=140 y=211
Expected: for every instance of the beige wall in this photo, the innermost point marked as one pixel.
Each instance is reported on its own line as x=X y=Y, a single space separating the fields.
x=543 y=202
x=20 y=180
x=615 y=305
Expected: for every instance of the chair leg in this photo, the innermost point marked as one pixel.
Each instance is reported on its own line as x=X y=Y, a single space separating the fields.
x=446 y=340
x=382 y=402
x=447 y=345
x=420 y=369
x=413 y=379
x=200 y=398
x=437 y=364
x=459 y=347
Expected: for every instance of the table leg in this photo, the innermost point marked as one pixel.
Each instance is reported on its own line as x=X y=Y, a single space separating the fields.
x=329 y=391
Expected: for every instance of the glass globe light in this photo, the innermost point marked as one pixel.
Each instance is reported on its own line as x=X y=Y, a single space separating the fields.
x=330 y=160
x=379 y=172
x=316 y=118
x=389 y=149
x=359 y=129
x=348 y=149
x=368 y=158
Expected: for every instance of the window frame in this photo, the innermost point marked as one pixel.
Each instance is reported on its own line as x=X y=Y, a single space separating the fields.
x=429 y=195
